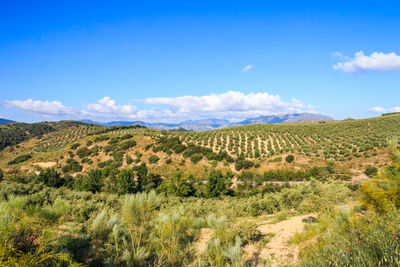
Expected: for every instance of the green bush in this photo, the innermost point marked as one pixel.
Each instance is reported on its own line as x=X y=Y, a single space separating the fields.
x=75 y=146
x=127 y=144
x=50 y=177
x=83 y=152
x=72 y=166
x=128 y=160
x=196 y=157
x=153 y=159
x=20 y=159
x=370 y=171
x=289 y=158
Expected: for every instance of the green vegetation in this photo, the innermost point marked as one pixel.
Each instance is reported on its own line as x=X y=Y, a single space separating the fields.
x=289 y=158
x=347 y=237
x=340 y=141
x=20 y=159
x=100 y=204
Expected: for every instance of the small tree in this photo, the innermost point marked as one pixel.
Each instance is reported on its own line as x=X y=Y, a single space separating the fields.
x=153 y=159
x=93 y=181
x=50 y=177
x=126 y=182
x=177 y=185
x=289 y=158
x=217 y=184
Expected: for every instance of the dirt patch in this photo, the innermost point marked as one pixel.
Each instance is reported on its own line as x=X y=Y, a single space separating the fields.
x=46 y=164
x=277 y=251
x=205 y=237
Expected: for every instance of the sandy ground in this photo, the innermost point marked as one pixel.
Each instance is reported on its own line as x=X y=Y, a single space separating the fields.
x=205 y=237
x=277 y=252
x=46 y=164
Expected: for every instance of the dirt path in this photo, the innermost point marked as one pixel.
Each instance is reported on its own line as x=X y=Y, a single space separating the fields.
x=277 y=252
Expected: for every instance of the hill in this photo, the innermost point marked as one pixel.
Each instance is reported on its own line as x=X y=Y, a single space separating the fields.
x=75 y=147
x=5 y=121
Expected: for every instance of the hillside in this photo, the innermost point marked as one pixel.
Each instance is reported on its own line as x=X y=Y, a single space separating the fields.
x=75 y=192
x=76 y=147
x=5 y=121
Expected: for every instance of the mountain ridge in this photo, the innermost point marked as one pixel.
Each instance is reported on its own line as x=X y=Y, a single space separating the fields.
x=5 y=121
x=213 y=124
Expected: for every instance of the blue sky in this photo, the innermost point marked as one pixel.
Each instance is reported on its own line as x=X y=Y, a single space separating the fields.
x=170 y=61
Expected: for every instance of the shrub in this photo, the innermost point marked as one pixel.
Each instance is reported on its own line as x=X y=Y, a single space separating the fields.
x=278 y=159
x=174 y=236
x=50 y=177
x=75 y=146
x=101 y=138
x=19 y=159
x=126 y=136
x=153 y=159
x=128 y=160
x=103 y=164
x=289 y=158
x=127 y=144
x=83 y=152
x=72 y=166
x=370 y=171
x=196 y=157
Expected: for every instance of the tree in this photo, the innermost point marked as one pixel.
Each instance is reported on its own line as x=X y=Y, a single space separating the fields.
x=126 y=182
x=1 y=175
x=93 y=181
x=50 y=177
x=290 y=158
x=153 y=181
x=142 y=175
x=218 y=184
x=177 y=185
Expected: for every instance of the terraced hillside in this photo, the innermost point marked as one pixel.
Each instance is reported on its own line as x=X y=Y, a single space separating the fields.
x=340 y=140
x=74 y=148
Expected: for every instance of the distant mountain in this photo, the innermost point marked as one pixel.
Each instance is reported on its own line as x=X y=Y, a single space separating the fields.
x=5 y=121
x=212 y=124
x=280 y=119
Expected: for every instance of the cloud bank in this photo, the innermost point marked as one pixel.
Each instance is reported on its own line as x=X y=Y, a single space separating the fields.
x=45 y=108
x=377 y=61
x=232 y=105
x=380 y=110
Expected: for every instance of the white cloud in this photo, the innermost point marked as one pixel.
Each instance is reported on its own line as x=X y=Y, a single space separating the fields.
x=248 y=67
x=230 y=105
x=338 y=55
x=45 y=108
x=106 y=107
x=377 y=61
x=380 y=110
